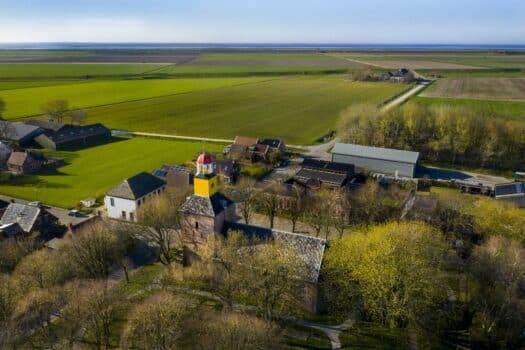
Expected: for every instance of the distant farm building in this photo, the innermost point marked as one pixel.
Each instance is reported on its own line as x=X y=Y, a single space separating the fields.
x=21 y=218
x=58 y=136
x=511 y=192
x=21 y=163
x=176 y=177
x=19 y=133
x=375 y=159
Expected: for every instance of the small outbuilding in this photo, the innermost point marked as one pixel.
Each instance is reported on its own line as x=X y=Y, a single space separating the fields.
x=513 y=192
x=376 y=159
x=21 y=163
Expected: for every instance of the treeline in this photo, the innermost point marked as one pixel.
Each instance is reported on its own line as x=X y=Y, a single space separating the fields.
x=442 y=134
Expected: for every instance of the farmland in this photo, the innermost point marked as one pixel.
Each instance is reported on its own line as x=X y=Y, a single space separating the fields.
x=27 y=102
x=478 y=88
x=299 y=109
x=93 y=171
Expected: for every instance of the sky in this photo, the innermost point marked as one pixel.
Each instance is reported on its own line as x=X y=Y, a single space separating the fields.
x=264 y=21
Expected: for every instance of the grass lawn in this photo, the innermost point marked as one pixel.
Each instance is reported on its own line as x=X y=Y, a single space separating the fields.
x=513 y=110
x=365 y=335
x=297 y=109
x=25 y=102
x=93 y=171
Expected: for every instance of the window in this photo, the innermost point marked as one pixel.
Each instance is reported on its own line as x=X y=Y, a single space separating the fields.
x=112 y=202
x=197 y=225
x=123 y=215
x=131 y=216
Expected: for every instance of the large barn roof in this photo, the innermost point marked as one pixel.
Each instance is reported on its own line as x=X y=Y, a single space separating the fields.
x=390 y=154
x=137 y=186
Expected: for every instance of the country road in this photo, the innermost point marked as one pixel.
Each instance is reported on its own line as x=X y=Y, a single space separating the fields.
x=404 y=97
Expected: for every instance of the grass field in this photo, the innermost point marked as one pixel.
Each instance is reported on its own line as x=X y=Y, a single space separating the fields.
x=28 y=101
x=93 y=171
x=442 y=60
x=298 y=109
x=504 y=109
x=478 y=88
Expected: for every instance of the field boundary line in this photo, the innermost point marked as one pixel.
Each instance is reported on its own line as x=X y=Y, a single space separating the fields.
x=178 y=137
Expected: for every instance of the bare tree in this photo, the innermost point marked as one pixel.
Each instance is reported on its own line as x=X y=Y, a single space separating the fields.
x=296 y=205
x=96 y=250
x=8 y=300
x=341 y=206
x=160 y=224
x=245 y=194
x=56 y=110
x=268 y=201
x=318 y=212
x=78 y=116
x=6 y=129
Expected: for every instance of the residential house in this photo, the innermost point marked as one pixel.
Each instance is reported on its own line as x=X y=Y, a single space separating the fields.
x=227 y=170
x=21 y=218
x=19 y=133
x=21 y=163
x=67 y=137
x=376 y=159
x=245 y=141
x=274 y=144
x=176 y=177
x=123 y=201
x=332 y=174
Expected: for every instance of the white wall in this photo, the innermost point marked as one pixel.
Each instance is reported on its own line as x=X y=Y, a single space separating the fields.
x=115 y=212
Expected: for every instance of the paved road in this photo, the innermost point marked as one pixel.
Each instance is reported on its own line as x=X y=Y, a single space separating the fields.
x=60 y=213
x=403 y=98
x=166 y=136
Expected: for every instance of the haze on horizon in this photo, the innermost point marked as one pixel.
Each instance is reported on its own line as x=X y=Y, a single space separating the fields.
x=271 y=21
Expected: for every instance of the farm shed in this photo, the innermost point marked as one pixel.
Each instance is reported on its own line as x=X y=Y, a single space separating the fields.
x=513 y=192
x=73 y=137
x=381 y=160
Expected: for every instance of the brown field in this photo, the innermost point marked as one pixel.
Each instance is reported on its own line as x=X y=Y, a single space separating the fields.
x=512 y=89
x=417 y=64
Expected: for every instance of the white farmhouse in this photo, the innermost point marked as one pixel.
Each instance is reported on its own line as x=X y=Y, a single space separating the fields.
x=123 y=201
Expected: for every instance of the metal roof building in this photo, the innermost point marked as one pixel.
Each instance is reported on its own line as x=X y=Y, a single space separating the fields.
x=381 y=160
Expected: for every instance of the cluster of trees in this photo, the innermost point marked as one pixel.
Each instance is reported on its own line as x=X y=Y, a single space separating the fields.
x=408 y=275
x=59 y=110
x=441 y=133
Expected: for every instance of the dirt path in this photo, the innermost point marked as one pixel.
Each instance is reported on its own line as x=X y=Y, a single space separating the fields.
x=403 y=98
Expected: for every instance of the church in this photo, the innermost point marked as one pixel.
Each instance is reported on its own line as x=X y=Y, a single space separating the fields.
x=207 y=211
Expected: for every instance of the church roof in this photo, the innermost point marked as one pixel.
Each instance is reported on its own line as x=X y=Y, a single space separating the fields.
x=205 y=206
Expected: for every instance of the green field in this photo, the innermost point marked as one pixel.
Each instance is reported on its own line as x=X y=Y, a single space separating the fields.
x=298 y=109
x=478 y=88
x=15 y=71
x=93 y=171
x=27 y=102
x=504 y=109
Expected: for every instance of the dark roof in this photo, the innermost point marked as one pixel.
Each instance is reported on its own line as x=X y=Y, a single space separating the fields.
x=510 y=189
x=205 y=206
x=274 y=143
x=166 y=169
x=260 y=148
x=46 y=124
x=328 y=166
x=74 y=132
x=333 y=178
x=23 y=215
x=225 y=167
x=310 y=249
x=137 y=186
x=21 y=132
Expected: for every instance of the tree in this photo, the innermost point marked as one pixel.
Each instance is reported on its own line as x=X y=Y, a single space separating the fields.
x=97 y=249
x=499 y=218
x=499 y=304
x=296 y=205
x=8 y=299
x=273 y=276
x=160 y=220
x=318 y=213
x=78 y=116
x=393 y=269
x=246 y=194
x=56 y=110
x=235 y=331
x=341 y=207
x=268 y=201
x=6 y=129
x=13 y=250
x=157 y=323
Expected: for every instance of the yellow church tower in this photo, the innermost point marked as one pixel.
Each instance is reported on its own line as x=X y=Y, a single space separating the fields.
x=205 y=182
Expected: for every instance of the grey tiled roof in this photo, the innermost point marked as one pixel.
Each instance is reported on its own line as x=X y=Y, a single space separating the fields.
x=376 y=153
x=24 y=215
x=137 y=186
x=337 y=179
x=205 y=206
x=310 y=249
x=18 y=131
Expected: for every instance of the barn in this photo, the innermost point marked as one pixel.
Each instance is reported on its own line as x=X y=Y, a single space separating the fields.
x=380 y=160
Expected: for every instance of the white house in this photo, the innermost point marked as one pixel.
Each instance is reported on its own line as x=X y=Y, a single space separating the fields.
x=123 y=201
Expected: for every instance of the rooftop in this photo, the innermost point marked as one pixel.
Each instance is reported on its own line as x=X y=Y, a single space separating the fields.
x=137 y=186
x=17 y=131
x=23 y=215
x=46 y=124
x=376 y=153
x=246 y=141
x=510 y=189
x=73 y=132
x=205 y=206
